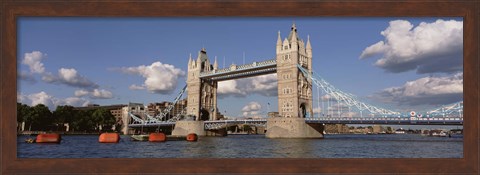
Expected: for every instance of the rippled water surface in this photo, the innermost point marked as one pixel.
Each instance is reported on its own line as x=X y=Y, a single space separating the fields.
x=251 y=146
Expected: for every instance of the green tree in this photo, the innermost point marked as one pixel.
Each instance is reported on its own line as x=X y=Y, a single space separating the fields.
x=23 y=112
x=41 y=118
x=247 y=128
x=63 y=114
x=389 y=129
x=83 y=121
x=104 y=119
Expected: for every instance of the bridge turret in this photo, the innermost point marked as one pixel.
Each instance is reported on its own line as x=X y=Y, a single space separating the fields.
x=190 y=61
x=215 y=64
x=293 y=38
x=309 y=47
x=279 y=42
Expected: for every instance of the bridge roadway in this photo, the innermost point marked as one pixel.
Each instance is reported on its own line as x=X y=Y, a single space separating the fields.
x=218 y=124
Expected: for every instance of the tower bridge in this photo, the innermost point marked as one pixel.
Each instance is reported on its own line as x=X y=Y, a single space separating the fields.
x=293 y=65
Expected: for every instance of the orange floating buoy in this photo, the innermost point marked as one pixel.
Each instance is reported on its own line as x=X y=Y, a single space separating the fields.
x=109 y=138
x=157 y=137
x=192 y=137
x=48 y=138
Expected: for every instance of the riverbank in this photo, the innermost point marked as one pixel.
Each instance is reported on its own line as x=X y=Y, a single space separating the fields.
x=59 y=132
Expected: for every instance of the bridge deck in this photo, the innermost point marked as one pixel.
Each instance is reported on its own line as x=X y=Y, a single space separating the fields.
x=366 y=121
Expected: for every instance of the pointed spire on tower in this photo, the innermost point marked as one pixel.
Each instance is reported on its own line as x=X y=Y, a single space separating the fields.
x=309 y=49
x=308 y=43
x=293 y=37
x=198 y=58
x=215 y=64
x=279 y=39
x=279 y=42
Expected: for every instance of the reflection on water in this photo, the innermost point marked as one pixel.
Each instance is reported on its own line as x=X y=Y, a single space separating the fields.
x=251 y=146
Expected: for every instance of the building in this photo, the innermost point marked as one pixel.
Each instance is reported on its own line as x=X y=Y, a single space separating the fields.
x=154 y=109
x=378 y=129
x=336 y=128
x=115 y=110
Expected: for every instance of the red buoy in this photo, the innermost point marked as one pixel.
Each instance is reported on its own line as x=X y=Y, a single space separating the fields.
x=109 y=138
x=157 y=137
x=192 y=137
x=48 y=138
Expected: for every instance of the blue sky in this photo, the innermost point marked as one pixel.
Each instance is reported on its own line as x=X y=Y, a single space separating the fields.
x=105 y=61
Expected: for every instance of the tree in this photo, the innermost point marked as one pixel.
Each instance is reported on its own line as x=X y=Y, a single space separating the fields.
x=23 y=112
x=41 y=117
x=103 y=118
x=63 y=114
x=83 y=121
x=247 y=128
x=389 y=129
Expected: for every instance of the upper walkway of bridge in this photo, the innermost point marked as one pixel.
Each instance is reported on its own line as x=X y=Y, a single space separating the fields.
x=241 y=71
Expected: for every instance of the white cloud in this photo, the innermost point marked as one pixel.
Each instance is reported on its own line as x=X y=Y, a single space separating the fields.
x=252 y=109
x=265 y=85
x=136 y=87
x=70 y=77
x=372 y=50
x=101 y=94
x=81 y=93
x=159 y=78
x=34 y=61
x=427 y=90
x=41 y=98
x=94 y=94
x=229 y=87
x=427 y=48
x=74 y=101
x=50 y=101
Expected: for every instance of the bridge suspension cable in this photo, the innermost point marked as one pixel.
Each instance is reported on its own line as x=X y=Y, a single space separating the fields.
x=170 y=107
x=159 y=117
x=348 y=99
x=451 y=109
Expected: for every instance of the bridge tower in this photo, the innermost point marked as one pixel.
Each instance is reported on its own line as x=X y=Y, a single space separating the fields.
x=202 y=94
x=294 y=90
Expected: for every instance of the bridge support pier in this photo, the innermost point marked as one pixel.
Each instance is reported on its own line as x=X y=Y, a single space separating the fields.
x=280 y=127
x=183 y=128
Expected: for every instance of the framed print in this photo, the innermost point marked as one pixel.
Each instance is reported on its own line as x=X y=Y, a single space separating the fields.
x=347 y=60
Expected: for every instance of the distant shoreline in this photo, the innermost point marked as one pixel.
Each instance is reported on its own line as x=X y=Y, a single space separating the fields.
x=62 y=133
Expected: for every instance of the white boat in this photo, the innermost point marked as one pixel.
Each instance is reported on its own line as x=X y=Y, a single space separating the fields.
x=141 y=137
x=442 y=134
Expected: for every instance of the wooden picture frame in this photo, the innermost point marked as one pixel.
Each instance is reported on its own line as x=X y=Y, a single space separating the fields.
x=10 y=11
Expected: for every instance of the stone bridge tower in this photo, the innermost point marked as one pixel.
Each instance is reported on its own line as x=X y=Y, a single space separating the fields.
x=202 y=94
x=294 y=89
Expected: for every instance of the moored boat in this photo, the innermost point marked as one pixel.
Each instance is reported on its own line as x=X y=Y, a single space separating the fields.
x=141 y=137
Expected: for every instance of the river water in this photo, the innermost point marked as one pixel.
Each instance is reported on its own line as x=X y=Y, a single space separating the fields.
x=251 y=146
